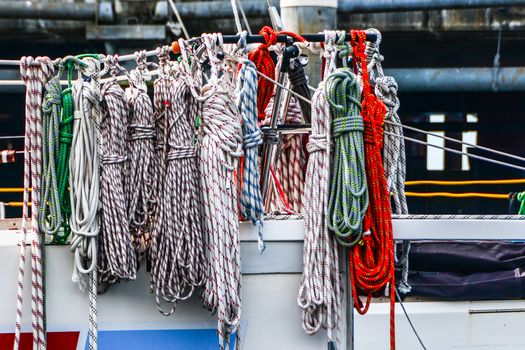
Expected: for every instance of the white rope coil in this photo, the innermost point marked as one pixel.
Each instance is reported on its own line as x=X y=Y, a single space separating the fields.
x=139 y=179
x=320 y=289
x=180 y=266
x=220 y=149
x=118 y=259
x=84 y=179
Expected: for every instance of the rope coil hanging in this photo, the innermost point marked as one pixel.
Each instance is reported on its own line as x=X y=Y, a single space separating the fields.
x=35 y=73
x=372 y=261
x=320 y=290
x=118 y=259
x=252 y=206
x=181 y=267
x=84 y=170
x=139 y=177
x=220 y=148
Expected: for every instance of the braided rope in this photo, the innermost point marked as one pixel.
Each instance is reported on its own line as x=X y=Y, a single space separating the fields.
x=320 y=289
x=50 y=218
x=372 y=261
x=139 y=177
x=252 y=207
x=220 y=149
x=34 y=77
x=161 y=88
x=118 y=259
x=289 y=172
x=84 y=170
x=394 y=156
x=348 y=191
x=181 y=267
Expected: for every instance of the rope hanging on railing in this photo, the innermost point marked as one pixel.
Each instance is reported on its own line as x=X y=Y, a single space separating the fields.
x=348 y=200
x=35 y=73
x=50 y=218
x=64 y=150
x=372 y=261
x=394 y=157
x=118 y=259
x=220 y=149
x=264 y=64
x=320 y=289
x=84 y=170
x=252 y=206
x=180 y=265
x=139 y=177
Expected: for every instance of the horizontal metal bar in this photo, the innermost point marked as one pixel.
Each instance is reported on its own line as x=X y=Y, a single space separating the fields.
x=56 y=11
x=369 y=6
x=458 y=79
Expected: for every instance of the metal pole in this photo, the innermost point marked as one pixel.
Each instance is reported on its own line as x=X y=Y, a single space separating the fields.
x=57 y=11
x=368 y=6
x=311 y=16
x=223 y=9
x=458 y=79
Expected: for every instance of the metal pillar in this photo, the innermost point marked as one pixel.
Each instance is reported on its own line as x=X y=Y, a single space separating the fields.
x=310 y=16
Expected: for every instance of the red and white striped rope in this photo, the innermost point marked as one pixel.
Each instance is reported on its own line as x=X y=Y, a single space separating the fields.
x=34 y=77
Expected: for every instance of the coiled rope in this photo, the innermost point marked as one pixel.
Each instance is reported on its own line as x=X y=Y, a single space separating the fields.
x=220 y=149
x=394 y=156
x=180 y=266
x=64 y=150
x=288 y=179
x=50 y=218
x=139 y=176
x=348 y=200
x=252 y=206
x=84 y=178
x=35 y=73
x=521 y=198
x=264 y=64
x=372 y=261
x=118 y=259
x=320 y=290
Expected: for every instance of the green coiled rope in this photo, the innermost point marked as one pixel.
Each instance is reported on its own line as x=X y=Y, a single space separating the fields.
x=64 y=149
x=521 y=198
x=348 y=200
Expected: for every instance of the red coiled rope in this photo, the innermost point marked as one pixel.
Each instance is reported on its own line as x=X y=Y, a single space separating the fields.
x=372 y=260
x=264 y=64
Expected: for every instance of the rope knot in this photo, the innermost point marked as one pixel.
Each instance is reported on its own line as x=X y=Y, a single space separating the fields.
x=65 y=137
x=252 y=139
x=347 y=124
x=141 y=132
x=112 y=159
x=317 y=143
x=181 y=152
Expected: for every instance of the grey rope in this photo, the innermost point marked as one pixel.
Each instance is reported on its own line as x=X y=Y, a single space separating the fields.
x=50 y=218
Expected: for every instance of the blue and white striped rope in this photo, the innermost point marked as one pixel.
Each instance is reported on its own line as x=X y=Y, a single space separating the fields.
x=252 y=207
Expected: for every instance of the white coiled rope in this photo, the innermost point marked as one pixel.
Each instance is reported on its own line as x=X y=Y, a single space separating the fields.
x=252 y=206
x=394 y=156
x=35 y=73
x=118 y=259
x=320 y=289
x=139 y=179
x=288 y=182
x=220 y=150
x=84 y=187
x=180 y=266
